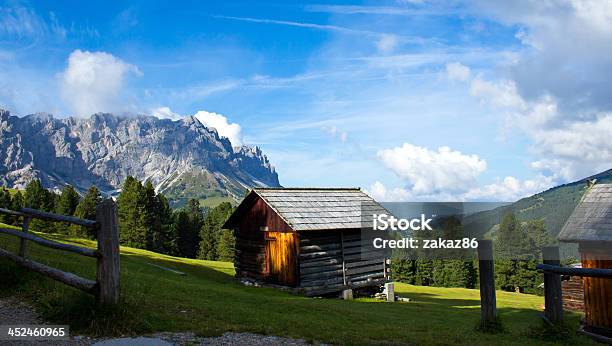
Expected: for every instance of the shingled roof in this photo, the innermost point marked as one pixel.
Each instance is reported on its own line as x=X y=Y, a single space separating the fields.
x=592 y=218
x=321 y=208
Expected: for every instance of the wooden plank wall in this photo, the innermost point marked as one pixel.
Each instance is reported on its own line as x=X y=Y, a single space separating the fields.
x=326 y=266
x=250 y=260
x=597 y=295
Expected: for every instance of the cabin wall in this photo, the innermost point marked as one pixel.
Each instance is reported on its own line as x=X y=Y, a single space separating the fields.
x=331 y=261
x=597 y=291
x=251 y=247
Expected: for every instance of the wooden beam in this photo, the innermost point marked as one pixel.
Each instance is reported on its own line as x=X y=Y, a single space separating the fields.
x=56 y=274
x=583 y=272
x=59 y=218
x=11 y=212
x=553 y=299
x=488 y=307
x=108 y=274
x=23 y=244
x=50 y=243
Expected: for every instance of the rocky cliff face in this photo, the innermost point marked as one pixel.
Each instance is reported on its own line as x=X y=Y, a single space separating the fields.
x=181 y=158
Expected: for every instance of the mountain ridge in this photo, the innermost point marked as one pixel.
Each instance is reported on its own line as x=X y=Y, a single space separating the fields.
x=553 y=206
x=105 y=148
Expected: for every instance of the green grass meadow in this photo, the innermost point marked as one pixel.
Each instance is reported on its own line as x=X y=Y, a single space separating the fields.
x=208 y=301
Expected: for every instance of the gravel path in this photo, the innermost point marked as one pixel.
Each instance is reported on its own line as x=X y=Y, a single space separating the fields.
x=14 y=312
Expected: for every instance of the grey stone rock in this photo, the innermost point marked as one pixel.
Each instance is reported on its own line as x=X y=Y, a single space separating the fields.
x=184 y=157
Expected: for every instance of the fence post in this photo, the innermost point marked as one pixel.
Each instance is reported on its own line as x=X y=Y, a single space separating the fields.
x=108 y=246
x=553 y=298
x=23 y=244
x=488 y=308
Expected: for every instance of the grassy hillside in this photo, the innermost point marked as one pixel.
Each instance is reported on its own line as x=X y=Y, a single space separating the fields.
x=208 y=301
x=554 y=206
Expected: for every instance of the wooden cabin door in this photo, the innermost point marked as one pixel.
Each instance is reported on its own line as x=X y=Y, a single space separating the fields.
x=280 y=258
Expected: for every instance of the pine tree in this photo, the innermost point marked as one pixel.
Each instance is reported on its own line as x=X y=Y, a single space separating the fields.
x=86 y=209
x=210 y=233
x=132 y=231
x=150 y=217
x=208 y=244
x=5 y=203
x=16 y=204
x=185 y=232
x=164 y=237
x=226 y=246
x=68 y=201
x=34 y=195
x=37 y=197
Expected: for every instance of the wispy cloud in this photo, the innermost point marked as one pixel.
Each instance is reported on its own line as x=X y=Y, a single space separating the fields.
x=385 y=41
x=23 y=23
x=378 y=10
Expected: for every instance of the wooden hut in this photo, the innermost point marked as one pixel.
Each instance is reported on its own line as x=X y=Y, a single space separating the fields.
x=306 y=238
x=590 y=225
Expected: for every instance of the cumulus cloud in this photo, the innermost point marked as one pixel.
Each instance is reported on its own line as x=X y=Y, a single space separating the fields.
x=381 y=193
x=509 y=189
x=457 y=71
x=433 y=171
x=568 y=49
x=231 y=131
x=93 y=82
x=567 y=148
x=165 y=113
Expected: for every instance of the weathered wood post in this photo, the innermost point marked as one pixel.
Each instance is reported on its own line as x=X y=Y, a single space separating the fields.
x=553 y=298
x=23 y=243
x=108 y=246
x=488 y=308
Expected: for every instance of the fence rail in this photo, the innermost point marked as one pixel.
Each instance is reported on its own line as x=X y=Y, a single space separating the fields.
x=553 y=297
x=106 y=286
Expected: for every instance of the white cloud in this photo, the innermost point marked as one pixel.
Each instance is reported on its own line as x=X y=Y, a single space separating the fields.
x=336 y=133
x=22 y=22
x=568 y=148
x=231 y=131
x=165 y=113
x=430 y=172
x=387 y=43
x=510 y=189
x=380 y=193
x=93 y=82
x=568 y=45
x=457 y=71
x=500 y=94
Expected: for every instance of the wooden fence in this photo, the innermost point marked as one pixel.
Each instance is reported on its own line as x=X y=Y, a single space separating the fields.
x=106 y=286
x=553 y=295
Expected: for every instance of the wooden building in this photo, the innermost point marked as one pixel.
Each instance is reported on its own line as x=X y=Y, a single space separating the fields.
x=307 y=238
x=590 y=225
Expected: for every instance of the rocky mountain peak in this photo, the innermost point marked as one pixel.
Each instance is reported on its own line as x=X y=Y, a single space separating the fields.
x=183 y=158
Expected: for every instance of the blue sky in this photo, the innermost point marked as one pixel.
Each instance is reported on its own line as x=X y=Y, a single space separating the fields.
x=412 y=100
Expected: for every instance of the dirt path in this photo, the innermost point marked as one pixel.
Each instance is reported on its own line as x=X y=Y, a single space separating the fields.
x=14 y=312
